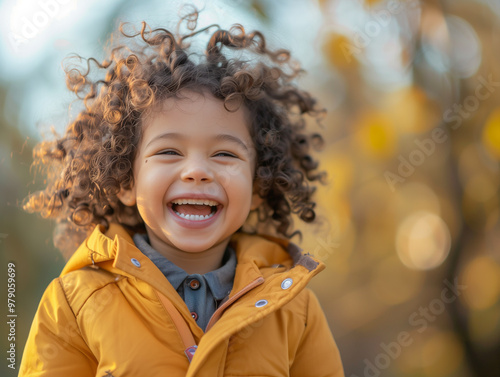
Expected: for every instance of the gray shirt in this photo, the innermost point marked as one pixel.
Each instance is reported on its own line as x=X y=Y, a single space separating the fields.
x=201 y=293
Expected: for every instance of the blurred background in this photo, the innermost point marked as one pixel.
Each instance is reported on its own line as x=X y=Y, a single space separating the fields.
x=410 y=228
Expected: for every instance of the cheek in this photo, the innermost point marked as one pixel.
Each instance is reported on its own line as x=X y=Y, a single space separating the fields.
x=230 y=175
x=151 y=208
x=152 y=184
x=151 y=176
x=242 y=188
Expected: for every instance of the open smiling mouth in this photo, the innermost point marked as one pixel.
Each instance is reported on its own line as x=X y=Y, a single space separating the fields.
x=195 y=209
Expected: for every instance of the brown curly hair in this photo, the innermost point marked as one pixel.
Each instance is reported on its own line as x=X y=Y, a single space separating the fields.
x=92 y=161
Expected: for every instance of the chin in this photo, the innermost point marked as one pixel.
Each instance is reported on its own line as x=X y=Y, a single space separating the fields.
x=193 y=248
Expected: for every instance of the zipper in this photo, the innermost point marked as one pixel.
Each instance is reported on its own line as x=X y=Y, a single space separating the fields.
x=218 y=313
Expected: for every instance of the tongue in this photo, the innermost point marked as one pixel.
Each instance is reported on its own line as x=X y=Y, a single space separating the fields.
x=193 y=209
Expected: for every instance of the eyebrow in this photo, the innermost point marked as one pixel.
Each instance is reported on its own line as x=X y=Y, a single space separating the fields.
x=166 y=135
x=234 y=139
x=219 y=137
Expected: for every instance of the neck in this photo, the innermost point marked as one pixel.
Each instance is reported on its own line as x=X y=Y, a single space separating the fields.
x=193 y=262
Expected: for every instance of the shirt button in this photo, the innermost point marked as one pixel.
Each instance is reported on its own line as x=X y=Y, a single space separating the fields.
x=135 y=262
x=194 y=315
x=194 y=284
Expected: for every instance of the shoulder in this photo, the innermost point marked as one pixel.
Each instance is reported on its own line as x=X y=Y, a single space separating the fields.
x=303 y=305
x=78 y=286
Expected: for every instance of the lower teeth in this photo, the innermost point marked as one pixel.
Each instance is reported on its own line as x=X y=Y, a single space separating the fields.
x=194 y=217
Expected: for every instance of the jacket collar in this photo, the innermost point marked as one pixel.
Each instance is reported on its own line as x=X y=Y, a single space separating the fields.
x=113 y=250
x=263 y=252
x=258 y=257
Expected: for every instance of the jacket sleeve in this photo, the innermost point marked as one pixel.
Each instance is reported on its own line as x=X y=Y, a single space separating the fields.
x=55 y=346
x=317 y=354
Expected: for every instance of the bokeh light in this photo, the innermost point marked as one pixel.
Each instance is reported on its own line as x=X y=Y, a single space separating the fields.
x=482 y=278
x=423 y=241
x=491 y=134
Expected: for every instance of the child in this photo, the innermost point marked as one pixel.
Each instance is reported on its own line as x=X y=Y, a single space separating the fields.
x=172 y=156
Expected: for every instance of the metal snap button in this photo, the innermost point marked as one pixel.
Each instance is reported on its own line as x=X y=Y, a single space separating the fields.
x=135 y=262
x=260 y=303
x=194 y=315
x=287 y=283
x=194 y=284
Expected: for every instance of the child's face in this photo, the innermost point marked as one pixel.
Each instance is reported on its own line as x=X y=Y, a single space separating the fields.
x=193 y=174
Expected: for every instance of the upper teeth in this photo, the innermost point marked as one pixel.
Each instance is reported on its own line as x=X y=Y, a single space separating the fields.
x=195 y=201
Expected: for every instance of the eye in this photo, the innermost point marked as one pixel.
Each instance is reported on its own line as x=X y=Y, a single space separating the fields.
x=169 y=152
x=224 y=154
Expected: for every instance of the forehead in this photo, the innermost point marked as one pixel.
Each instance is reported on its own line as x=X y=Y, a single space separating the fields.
x=196 y=109
x=196 y=116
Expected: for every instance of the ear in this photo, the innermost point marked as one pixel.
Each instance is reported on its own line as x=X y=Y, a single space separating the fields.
x=256 y=199
x=127 y=196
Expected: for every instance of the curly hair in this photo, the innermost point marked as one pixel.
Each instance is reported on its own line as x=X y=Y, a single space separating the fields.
x=88 y=166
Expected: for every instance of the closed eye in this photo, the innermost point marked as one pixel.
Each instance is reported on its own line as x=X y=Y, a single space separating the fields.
x=224 y=154
x=169 y=152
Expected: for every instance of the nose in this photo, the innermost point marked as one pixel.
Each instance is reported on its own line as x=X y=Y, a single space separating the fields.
x=197 y=170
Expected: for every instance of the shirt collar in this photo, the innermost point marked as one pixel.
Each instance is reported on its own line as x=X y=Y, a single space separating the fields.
x=220 y=281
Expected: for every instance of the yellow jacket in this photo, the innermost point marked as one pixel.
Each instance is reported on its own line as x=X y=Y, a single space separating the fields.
x=103 y=317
